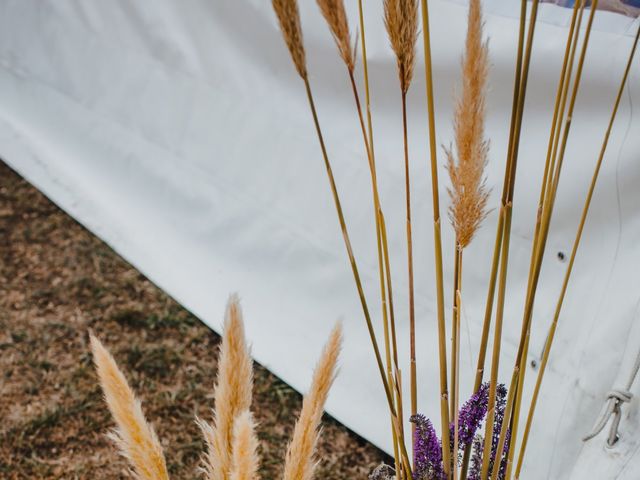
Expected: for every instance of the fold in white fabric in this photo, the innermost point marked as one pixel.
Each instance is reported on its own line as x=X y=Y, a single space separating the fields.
x=179 y=133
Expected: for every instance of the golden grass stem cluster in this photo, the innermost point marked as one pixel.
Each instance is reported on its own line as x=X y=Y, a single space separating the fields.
x=574 y=250
x=334 y=13
x=294 y=43
x=232 y=444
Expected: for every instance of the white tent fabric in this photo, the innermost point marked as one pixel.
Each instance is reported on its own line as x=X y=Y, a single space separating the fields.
x=179 y=133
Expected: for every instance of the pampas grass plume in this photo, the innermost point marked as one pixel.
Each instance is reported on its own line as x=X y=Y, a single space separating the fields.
x=233 y=392
x=468 y=192
x=245 y=460
x=300 y=462
x=401 y=20
x=289 y=18
x=134 y=436
x=336 y=17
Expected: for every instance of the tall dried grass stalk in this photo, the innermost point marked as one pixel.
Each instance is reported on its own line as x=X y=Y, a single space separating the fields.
x=135 y=437
x=293 y=38
x=233 y=392
x=300 y=462
x=468 y=190
x=437 y=237
x=401 y=20
x=289 y=18
x=245 y=460
x=500 y=226
x=334 y=13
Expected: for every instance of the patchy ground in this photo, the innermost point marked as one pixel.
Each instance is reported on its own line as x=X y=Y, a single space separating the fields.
x=57 y=281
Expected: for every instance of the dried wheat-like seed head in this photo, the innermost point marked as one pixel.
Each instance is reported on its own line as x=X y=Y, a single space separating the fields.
x=289 y=19
x=233 y=392
x=134 y=436
x=401 y=20
x=245 y=460
x=468 y=192
x=300 y=463
x=336 y=16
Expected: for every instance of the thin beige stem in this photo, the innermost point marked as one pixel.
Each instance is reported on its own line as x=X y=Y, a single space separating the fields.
x=454 y=325
x=497 y=342
x=576 y=244
x=442 y=334
x=412 y=317
x=455 y=356
x=502 y=440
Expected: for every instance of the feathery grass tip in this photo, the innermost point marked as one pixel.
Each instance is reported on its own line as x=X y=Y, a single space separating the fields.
x=334 y=13
x=468 y=193
x=289 y=18
x=134 y=436
x=401 y=20
x=300 y=463
x=233 y=392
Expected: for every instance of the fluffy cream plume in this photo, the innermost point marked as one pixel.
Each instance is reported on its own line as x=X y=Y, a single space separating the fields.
x=336 y=16
x=135 y=437
x=245 y=460
x=233 y=391
x=468 y=193
x=401 y=20
x=300 y=462
x=289 y=19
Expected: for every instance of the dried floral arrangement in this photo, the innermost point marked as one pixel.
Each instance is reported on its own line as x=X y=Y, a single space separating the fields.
x=461 y=451
x=231 y=441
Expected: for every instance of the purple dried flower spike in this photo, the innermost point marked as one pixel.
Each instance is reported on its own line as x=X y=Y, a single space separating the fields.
x=478 y=441
x=471 y=415
x=427 y=450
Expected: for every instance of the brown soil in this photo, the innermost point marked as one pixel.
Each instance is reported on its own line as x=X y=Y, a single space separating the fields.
x=57 y=281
